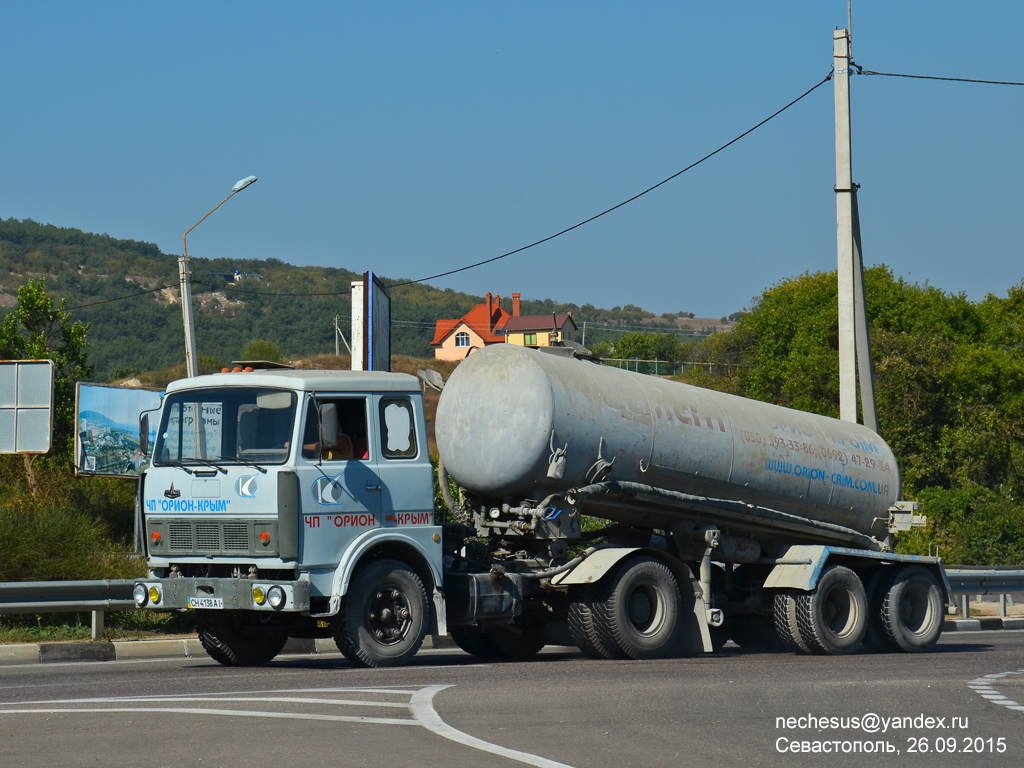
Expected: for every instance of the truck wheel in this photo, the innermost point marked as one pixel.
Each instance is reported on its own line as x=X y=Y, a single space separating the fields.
x=581 y=623
x=879 y=580
x=833 y=618
x=786 y=625
x=235 y=640
x=912 y=610
x=476 y=643
x=383 y=618
x=636 y=613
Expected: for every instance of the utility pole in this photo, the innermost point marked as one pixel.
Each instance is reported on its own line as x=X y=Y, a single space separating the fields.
x=854 y=339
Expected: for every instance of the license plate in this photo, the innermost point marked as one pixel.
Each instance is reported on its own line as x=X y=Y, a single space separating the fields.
x=205 y=602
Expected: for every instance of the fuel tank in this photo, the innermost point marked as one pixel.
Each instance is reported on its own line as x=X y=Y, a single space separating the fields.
x=517 y=424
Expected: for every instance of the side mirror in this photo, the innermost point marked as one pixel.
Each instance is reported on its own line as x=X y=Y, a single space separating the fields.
x=329 y=425
x=144 y=434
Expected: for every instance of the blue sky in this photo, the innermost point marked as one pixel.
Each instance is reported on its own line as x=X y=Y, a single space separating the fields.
x=412 y=137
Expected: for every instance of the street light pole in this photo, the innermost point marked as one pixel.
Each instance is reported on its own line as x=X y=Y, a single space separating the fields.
x=185 y=276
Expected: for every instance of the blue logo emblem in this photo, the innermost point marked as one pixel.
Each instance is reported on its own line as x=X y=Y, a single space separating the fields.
x=245 y=486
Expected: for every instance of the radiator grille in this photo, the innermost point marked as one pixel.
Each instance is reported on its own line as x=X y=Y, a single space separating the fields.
x=208 y=537
x=181 y=537
x=236 y=538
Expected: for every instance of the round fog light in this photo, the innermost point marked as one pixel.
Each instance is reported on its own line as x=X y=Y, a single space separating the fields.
x=276 y=596
x=141 y=595
x=154 y=594
x=259 y=596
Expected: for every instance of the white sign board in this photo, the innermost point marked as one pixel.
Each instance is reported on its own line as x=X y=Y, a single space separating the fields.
x=26 y=406
x=107 y=429
x=371 y=325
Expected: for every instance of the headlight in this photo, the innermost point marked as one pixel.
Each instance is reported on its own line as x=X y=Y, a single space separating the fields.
x=154 y=594
x=259 y=596
x=276 y=596
x=141 y=595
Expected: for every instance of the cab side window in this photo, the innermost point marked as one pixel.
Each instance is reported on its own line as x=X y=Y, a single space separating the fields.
x=352 y=432
x=397 y=429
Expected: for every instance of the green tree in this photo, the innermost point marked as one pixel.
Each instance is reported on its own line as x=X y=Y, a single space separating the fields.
x=36 y=330
x=261 y=349
x=648 y=346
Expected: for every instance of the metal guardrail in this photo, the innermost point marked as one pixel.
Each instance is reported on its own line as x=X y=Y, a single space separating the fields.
x=985 y=581
x=116 y=594
x=68 y=597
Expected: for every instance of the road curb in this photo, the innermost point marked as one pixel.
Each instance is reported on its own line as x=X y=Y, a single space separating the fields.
x=187 y=647
x=984 y=623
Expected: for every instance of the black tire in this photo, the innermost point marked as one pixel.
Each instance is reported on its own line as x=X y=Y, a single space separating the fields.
x=913 y=609
x=637 y=611
x=581 y=623
x=878 y=581
x=476 y=643
x=785 y=621
x=237 y=639
x=383 y=618
x=834 y=617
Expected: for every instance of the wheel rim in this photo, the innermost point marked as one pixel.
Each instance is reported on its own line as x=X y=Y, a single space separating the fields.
x=645 y=609
x=840 y=612
x=915 y=609
x=388 y=616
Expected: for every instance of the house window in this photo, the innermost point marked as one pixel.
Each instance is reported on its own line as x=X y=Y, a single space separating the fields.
x=462 y=339
x=530 y=339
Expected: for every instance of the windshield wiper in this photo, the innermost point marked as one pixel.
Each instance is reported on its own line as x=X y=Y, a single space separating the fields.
x=250 y=464
x=205 y=463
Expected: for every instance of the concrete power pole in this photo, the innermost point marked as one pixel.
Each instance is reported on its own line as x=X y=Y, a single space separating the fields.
x=854 y=339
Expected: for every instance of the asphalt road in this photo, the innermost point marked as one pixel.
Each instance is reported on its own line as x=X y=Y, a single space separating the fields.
x=451 y=710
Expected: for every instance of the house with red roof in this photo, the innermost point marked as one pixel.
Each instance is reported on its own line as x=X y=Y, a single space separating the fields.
x=482 y=325
x=488 y=323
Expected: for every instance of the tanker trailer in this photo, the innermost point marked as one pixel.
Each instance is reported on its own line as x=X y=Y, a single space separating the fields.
x=727 y=517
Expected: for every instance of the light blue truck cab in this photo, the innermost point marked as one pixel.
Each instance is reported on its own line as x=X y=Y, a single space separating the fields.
x=286 y=503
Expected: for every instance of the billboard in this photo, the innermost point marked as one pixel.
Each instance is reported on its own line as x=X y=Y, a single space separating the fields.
x=107 y=429
x=371 y=325
x=26 y=406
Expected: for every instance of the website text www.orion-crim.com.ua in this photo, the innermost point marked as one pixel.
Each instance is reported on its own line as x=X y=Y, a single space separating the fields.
x=907 y=727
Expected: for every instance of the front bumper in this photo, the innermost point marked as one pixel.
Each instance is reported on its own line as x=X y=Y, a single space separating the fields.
x=223 y=594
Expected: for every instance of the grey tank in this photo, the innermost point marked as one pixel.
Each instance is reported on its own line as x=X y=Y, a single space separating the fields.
x=504 y=408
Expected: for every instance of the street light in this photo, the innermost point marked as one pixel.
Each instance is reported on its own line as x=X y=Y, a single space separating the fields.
x=185 y=275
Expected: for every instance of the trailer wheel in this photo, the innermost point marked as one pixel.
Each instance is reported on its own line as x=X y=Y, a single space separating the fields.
x=833 y=618
x=878 y=581
x=786 y=625
x=476 y=643
x=383 y=618
x=636 y=613
x=235 y=640
x=581 y=623
x=912 y=610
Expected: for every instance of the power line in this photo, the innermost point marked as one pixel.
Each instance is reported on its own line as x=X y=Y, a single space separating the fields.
x=574 y=226
x=624 y=202
x=122 y=298
x=933 y=77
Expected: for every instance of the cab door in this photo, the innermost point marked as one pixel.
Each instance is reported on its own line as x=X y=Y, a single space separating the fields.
x=339 y=485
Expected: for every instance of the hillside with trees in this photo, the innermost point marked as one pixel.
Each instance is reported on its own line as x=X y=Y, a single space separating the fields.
x=128 y=291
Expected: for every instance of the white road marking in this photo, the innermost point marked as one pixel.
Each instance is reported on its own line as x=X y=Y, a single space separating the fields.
x=985 y=687
x=423 y=709
x=419 y=703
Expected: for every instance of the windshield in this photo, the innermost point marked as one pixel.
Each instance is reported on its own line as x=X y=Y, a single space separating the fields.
x=225 y=426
